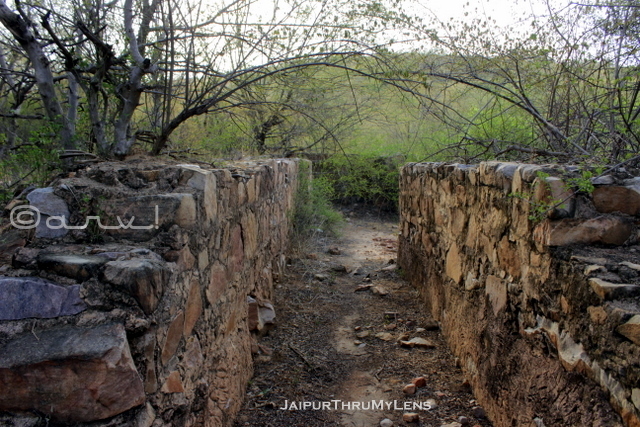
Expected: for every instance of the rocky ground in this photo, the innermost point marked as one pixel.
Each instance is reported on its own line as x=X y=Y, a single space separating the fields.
x=350 y=331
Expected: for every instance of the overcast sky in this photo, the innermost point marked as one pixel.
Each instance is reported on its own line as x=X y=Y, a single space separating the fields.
x=505 y=12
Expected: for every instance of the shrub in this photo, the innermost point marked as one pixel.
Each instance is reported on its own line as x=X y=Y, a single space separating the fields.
x=313 y=212
x=362 y=179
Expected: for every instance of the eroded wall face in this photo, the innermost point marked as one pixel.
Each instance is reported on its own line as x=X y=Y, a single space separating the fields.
x=540 y=305
x=143 y=313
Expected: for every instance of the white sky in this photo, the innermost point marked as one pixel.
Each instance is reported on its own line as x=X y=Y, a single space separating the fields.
x=504 y=12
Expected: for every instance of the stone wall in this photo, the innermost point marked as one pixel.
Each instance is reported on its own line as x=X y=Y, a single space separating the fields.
x=135 y=298
x=539 y=305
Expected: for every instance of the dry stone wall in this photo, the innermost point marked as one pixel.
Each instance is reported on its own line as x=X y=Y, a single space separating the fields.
x=138 y=297
x=541 y=308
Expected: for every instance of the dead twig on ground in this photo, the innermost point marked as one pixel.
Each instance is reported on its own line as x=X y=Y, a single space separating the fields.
x=301 y=356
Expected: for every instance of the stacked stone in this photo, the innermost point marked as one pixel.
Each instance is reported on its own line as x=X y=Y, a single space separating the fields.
x=503 y=254
x=151 y=326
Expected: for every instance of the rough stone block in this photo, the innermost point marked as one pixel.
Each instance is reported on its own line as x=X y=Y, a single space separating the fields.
x=454 y=264
x=612 y=291
x=496 y=289
x=144 y=279
x=50 y=207
x=261 y=315
x=607 y=230
x=625 y=200
x=71 y=374
x=25 y=297
x=631 y=329
x=140 y=218
x=556 y=193
x=218 y=282
x=173 y=384
x=79 y=267
x=172 y=340
x=193 y=308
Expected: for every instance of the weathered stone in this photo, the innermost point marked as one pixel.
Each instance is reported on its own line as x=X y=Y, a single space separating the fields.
x=173 y=384
x=51 y=215
x=79 y=267
x=508 y=258
x=471 y=282
x=183 y=258
x=554 y=192
x=612 y=291
x=193 y=358
x=143 y=279
x=386 y=423
x=149 y=347
x=217 y=283
x=464 y=421
x=249 y=234
x=631 y=329
x=479 y=412
x=410 y=417
x=409 y=389
x=603 y=180
x=417 y=342
x=193 y=308
x=237 y=250
x=606 y=230
x=572 y=354
x=25 y=297
x=384 y=336
x=631 y=265
x=25 y=258
x=589 y=260
x=617 y=199
x=454 y=264
x=419 y=382
x=379 y=290
x=363 y=334
x=12 y=243
x=597 y=315
x=172 y=340
x=70 y=374
x=140 y=218
x=635 y=398
x=590 y=269
x=496 y=290
x=146 y=417
x=261 y=315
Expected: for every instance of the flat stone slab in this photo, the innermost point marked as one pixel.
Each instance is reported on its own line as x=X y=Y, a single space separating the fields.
x=70 y=374
x=612 y=291
x=49 y=207
x=33 y=297
x=80 y=267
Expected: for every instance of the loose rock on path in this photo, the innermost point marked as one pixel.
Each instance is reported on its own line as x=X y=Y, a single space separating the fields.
x=355 y=344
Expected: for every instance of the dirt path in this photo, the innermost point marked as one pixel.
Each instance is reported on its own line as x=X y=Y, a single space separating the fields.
x=336 y=344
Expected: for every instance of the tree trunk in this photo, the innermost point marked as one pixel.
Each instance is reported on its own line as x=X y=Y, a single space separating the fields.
x=43 y=75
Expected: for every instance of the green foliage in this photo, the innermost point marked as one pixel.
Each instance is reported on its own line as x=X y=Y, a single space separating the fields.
x=313 y=212
x=33 y=162
x=538 y=209
x=363 y=178
x=583 y=183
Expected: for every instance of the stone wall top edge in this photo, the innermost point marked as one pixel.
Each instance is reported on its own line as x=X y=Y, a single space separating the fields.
x=527 y=172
